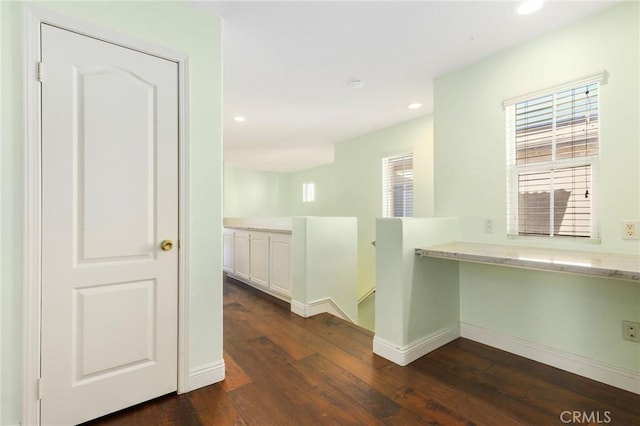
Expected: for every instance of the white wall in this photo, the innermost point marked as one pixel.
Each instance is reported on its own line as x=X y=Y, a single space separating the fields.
x=180 y=27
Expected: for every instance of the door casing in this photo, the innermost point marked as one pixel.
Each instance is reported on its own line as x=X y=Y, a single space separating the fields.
x=34 y=17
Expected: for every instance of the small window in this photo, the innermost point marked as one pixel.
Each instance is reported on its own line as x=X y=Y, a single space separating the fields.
x=397 y=186
x=553 y=144
x=308 y=192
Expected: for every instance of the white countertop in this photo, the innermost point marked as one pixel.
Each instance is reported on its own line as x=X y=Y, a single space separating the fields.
x=264 y=224
x=254 y=229
x=608 y=265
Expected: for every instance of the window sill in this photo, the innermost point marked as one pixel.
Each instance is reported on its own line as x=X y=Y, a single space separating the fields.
x=557 y=238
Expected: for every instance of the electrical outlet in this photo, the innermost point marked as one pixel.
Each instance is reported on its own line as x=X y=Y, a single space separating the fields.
x=631 y=331
x=488 y=226
x=630 y=230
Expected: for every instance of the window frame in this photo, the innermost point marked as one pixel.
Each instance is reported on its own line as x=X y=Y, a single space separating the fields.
x=387 y=205
x=308 y=192
x=514 y=170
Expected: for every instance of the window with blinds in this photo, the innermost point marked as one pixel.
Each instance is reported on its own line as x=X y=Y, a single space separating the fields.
x=553 y=146
x=397 y=186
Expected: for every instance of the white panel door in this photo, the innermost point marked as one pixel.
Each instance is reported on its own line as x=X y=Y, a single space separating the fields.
x=280 y=263
x=259 y=259
x=227 y=250
x=241 y=254
x=110 y=196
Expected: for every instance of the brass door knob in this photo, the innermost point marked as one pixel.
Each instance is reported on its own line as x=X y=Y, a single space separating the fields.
x=166 y=245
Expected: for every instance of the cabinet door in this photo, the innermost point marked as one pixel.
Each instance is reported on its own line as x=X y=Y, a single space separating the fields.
x=280 y=263
x=242 y=255
x=227 y=250
x=259 y=259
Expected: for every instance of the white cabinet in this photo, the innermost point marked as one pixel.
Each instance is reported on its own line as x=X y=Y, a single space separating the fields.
x=241 y=254
x=259 y=259
x=227 y=250
x=280 y=263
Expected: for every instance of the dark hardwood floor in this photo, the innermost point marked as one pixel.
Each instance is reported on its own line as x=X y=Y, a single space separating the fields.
x=286 y=370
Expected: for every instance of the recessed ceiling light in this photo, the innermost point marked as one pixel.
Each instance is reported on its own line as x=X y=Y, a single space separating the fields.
x=414 y=105
x=529 y=6
x=240 y=119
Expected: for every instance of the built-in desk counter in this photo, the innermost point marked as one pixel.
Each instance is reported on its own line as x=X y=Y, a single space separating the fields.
x=564 y=308
x=608 y=265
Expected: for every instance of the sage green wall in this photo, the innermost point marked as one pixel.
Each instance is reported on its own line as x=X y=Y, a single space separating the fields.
x=11 y=187
x=414 y=296
x=324 y=179
x=253 y=193
x=550 y=309
x=351 y=186
x=358 y=171
x=470 y=158
x=324 y=261
x=180 y=27
x=575 y=314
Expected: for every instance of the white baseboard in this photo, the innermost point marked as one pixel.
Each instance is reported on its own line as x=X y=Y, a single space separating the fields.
x=403 y=355
x=300 y=308
x=206 y=375
x=615 y=376
x=319 y=306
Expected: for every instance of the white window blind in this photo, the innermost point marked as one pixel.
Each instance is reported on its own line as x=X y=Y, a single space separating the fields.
x=553 y=144
x=397 y=186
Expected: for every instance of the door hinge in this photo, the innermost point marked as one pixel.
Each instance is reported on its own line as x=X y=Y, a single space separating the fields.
x=39 y=71
x=39 y=388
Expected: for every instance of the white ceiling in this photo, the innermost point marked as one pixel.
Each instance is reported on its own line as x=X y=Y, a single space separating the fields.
x=287 y=65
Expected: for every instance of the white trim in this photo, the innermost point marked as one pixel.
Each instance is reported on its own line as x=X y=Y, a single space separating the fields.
x=387 y=181
x=550 y=166
x=34 y=17
x=32 y=260
x=596 y=370
x=183 y=225
x=601 y=77
x=206 y=375
x=308 y=192
x=300 y=308
x=1 y=258
x=325 y=305
x=406 y=354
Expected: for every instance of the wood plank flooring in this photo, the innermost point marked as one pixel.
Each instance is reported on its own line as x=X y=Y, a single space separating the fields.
x=286 y=370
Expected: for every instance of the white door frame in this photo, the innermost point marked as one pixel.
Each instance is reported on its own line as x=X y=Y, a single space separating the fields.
x=34 y=16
